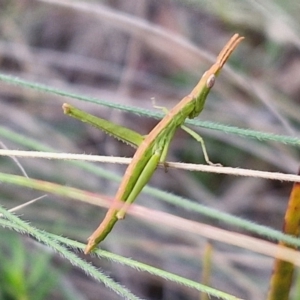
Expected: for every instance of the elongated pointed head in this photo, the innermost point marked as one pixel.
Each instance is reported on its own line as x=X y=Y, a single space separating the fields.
x=207 y=81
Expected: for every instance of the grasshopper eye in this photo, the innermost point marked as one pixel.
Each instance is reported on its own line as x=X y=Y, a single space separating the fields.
x=211 y=81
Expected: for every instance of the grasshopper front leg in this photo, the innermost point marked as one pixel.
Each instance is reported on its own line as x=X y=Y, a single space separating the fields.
x=199 y=139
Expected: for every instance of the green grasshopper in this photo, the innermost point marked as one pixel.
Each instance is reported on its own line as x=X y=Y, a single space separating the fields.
x=153 y=148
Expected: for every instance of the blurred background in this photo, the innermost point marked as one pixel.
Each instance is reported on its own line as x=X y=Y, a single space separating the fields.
x=129 y=52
